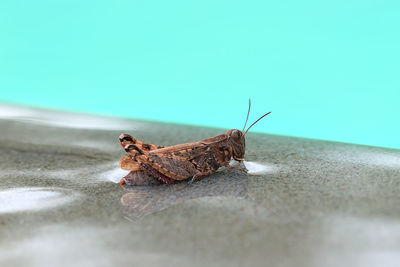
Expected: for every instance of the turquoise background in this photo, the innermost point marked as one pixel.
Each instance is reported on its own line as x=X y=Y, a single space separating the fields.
x=326 y=69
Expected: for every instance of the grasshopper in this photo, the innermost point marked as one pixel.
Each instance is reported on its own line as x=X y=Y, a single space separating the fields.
x=149 y=163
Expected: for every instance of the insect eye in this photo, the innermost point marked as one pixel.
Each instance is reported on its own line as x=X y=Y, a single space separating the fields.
x=235 y=135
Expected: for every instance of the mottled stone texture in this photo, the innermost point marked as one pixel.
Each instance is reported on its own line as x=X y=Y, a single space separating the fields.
x=315 y=203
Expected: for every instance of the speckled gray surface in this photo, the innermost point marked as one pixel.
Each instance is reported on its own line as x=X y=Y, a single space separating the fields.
x=313 y=203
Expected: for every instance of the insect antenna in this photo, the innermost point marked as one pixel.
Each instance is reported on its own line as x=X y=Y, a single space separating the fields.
x=257 y=121
x=248 y=112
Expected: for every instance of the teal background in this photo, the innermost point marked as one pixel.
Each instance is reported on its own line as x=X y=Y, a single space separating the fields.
x=326 y=69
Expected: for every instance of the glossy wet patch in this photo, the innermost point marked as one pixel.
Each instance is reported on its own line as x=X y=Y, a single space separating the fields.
x=259 y=168
x=34 y=199
x=113 y=174
x=385 y=159
x=64 y=119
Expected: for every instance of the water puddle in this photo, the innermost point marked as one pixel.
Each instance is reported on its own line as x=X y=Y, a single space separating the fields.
x=114 y=174
x=379 y=159
x=259 y=168
x=33 y=199
x=364 y=241
x=65 y=119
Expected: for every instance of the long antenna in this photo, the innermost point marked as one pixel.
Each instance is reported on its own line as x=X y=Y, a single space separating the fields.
x=248 y=112
x=256 y=121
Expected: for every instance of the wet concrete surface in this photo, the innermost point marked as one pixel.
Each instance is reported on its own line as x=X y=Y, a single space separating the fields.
x=305 y=202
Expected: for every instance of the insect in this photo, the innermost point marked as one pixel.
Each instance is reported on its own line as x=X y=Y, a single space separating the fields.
x=149 y=163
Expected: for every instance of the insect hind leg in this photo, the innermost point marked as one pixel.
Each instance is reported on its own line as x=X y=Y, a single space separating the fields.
x=126 y=139
x=157 y=175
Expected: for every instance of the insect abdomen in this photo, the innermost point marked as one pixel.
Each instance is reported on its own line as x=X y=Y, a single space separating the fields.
x=140 y=177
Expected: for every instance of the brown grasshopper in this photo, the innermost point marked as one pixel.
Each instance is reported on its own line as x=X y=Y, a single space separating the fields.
x=148 y=162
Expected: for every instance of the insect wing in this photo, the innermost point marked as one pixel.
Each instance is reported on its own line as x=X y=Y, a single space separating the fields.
x=177 y=168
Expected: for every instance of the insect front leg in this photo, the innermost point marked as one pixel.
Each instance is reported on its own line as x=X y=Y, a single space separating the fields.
x=200 y=175
x=236 y=165
x=238 y=168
